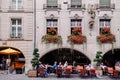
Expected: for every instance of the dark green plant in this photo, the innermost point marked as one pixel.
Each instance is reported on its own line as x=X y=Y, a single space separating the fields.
x=35 y=59
x=98 y=58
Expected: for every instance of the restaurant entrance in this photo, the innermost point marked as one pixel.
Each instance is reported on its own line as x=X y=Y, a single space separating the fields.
x=65 y=54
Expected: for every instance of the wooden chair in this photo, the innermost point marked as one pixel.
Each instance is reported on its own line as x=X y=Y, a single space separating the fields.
x=92 y=73
x=105 y=70
x=83 y=72
x=115 y=74
x=41 y=72
x=67 y=72
x=59 y=72
x=78 y=68
x=110 y=71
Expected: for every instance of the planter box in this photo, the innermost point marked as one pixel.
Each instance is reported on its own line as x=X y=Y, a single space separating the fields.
x=32 y=73
x=99 y=72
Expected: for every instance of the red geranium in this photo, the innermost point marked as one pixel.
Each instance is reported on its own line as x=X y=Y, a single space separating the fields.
x=106 y=36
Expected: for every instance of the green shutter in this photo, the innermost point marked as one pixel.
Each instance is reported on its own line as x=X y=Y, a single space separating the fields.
x=52 y=2
x=76 y=2
x=104 y=2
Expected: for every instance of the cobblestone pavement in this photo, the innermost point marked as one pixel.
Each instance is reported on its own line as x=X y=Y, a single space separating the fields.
x=50 y=77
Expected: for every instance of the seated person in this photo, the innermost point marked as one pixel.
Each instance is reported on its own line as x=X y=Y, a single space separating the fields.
x=102 y=66
x=54 y=67
x=88 y=68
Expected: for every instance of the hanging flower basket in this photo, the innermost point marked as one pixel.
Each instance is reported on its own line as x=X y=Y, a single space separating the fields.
x=76 y=37
x=52 y=36
x=106 y=36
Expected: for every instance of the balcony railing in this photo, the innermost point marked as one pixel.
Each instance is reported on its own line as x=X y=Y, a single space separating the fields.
x=12 y=8
x=76 y=7
x=57 y=7
x=105 y=7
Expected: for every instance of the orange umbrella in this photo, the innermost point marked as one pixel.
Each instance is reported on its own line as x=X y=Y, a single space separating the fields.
x=9 y=51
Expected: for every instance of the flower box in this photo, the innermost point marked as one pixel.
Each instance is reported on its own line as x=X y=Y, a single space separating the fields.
x=32 y=73
x=52 y=36
x=77 y=39
x=106 y=36
x=76 y=36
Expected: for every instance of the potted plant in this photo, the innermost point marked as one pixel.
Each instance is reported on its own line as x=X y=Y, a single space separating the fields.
x=98 y=60
x=35 y=64
x=35 y=59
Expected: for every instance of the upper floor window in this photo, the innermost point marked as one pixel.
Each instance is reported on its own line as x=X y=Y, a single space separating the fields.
x=104 y=23
x=76 y=26
x=105 y=3
x=52 y=24
x=75 y=22
x=52 y=3
x=76 y=4
x=16 y=28
x=16 y=4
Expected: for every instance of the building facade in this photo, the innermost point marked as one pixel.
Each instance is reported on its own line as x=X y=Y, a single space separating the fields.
x=25 y=23
x=92 y=17
x=16 y=27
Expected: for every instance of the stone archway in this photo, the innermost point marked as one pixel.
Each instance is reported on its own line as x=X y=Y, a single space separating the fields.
x=64 y=54
x=110 y=58
x=17 y=60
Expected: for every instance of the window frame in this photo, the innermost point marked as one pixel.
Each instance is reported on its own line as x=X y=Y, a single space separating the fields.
x=105 y=5
x=17 y=4
x=76 y=5
x=106 y=23
x=52 y=6
x=54 y=23
x=17 y=32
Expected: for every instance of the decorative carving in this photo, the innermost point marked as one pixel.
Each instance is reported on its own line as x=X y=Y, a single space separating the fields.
x=76 y=16
x=91 y=11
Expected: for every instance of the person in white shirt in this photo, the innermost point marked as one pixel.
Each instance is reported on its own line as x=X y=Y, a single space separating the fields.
x=65 y=64
x=8 y=62
x=89 y=67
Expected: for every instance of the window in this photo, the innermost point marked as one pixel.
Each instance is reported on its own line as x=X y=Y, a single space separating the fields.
x=104 y=23
x=16 y=28
x=16 y=4
x=76 y=3
x=105 y=3
x=52 y=3
x=51 y=23
x=75 y=23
